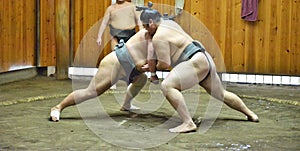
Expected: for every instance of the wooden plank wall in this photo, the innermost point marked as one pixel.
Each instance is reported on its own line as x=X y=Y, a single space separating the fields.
x=62 y=36
x=47 y=42
x=18 y=32
x=87 y=18
x=267 y=46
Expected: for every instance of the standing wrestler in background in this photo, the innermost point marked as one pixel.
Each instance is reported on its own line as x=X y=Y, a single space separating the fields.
x=122 y=19
x=192 y=65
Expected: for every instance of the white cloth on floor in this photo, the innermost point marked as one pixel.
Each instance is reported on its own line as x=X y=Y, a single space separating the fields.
x=55 y=113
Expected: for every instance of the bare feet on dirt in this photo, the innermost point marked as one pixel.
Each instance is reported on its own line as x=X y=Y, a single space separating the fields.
x=184 y=128
x=131 y=108
x=253 y=117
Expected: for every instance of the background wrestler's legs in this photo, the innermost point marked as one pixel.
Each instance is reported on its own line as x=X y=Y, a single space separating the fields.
x=133 y=89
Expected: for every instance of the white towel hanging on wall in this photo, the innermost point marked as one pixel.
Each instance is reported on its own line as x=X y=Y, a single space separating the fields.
x=179 y=5
x=138 y=2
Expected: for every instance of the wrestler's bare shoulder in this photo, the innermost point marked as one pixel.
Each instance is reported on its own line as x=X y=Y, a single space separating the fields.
x=162 y=33
x=110 y=8
x=170 y=24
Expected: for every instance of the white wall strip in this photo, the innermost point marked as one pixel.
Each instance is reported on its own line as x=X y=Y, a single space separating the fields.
x=80 y=71
x=226 y=77
x=261 y=79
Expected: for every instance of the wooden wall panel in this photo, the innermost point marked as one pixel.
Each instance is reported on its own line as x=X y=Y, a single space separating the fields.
x=87 y=18
x=282 y=48
x=17 y=30
x=62 y=36
x=295 y=38
x=47 y=49
x=199 y=31
x=267 y=46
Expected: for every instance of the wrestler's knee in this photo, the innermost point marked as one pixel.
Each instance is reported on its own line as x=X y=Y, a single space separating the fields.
x=165 y=86
x=219 y=94
x=100 y=88
x=141 y=80
x=91 y=92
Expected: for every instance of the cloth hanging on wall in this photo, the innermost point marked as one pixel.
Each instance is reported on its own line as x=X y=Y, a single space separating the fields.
x=179 y=4
x=138 y=2
x=249 y=10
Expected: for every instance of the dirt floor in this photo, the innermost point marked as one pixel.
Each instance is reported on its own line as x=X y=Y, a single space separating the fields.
x=25 y=107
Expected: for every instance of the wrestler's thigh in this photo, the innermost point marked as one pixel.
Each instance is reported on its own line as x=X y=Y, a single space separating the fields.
x=109 y=71
x=213 y=85
x=183 y=76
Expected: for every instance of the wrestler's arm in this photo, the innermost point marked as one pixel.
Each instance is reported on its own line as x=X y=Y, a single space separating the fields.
x=162 y=51
x=150 y=49
x=137 y=18
x=105 y=22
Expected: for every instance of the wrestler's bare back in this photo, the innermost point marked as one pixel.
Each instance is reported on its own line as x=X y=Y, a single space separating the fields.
x=123 y=16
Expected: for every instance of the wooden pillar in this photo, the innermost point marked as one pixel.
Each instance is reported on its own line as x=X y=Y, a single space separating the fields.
x=62 y=10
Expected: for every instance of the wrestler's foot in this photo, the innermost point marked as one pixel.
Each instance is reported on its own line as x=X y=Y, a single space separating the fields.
x=55 y=114
x=154 y=79
x=253 y=117
x=184 y=128
x=113 y=87
x=129 y=109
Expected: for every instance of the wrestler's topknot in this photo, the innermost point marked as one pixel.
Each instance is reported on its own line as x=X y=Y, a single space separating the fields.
x=150 y=14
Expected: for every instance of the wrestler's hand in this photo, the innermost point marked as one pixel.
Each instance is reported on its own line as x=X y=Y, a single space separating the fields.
x=145 y=68
x=148 y=36
x=99 y=40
